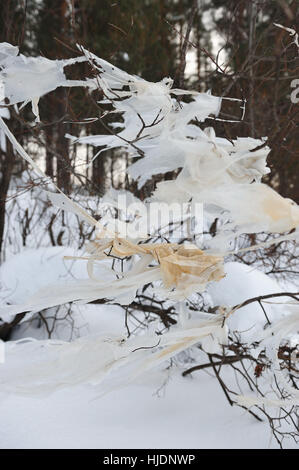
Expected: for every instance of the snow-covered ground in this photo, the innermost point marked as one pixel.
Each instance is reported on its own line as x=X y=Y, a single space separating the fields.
x=186 y=413
x=158 y=411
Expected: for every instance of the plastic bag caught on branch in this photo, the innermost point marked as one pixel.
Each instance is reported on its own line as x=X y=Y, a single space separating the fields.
x=184 y=269
x=26 y=79
x=43 y=367
x=148 y=110
x=165 y=132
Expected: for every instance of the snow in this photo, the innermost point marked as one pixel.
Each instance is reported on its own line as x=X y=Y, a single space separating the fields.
x=32 y=269
x=186 y=412
x=159 y=412
x=244 y=282
x=23 y=274
x=86 y=320
x=240 y=283
x=183 y=416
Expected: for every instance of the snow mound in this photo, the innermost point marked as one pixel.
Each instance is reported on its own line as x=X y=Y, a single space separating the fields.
x=244 y=282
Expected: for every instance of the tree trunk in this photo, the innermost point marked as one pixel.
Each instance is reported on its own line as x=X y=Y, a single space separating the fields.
x=62 y=147
x=7 y=162
x=98 y=173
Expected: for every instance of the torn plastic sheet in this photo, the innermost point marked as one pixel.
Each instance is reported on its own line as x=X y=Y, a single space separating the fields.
x=26 y=79
x=43 y=367
x=184 y=269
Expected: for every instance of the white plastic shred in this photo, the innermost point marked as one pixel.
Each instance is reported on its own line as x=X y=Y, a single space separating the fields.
x=167 y=134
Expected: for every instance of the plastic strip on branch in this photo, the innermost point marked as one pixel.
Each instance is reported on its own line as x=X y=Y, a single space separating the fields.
x=167 y=134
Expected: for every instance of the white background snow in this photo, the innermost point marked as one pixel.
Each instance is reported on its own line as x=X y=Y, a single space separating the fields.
x=159 y=412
